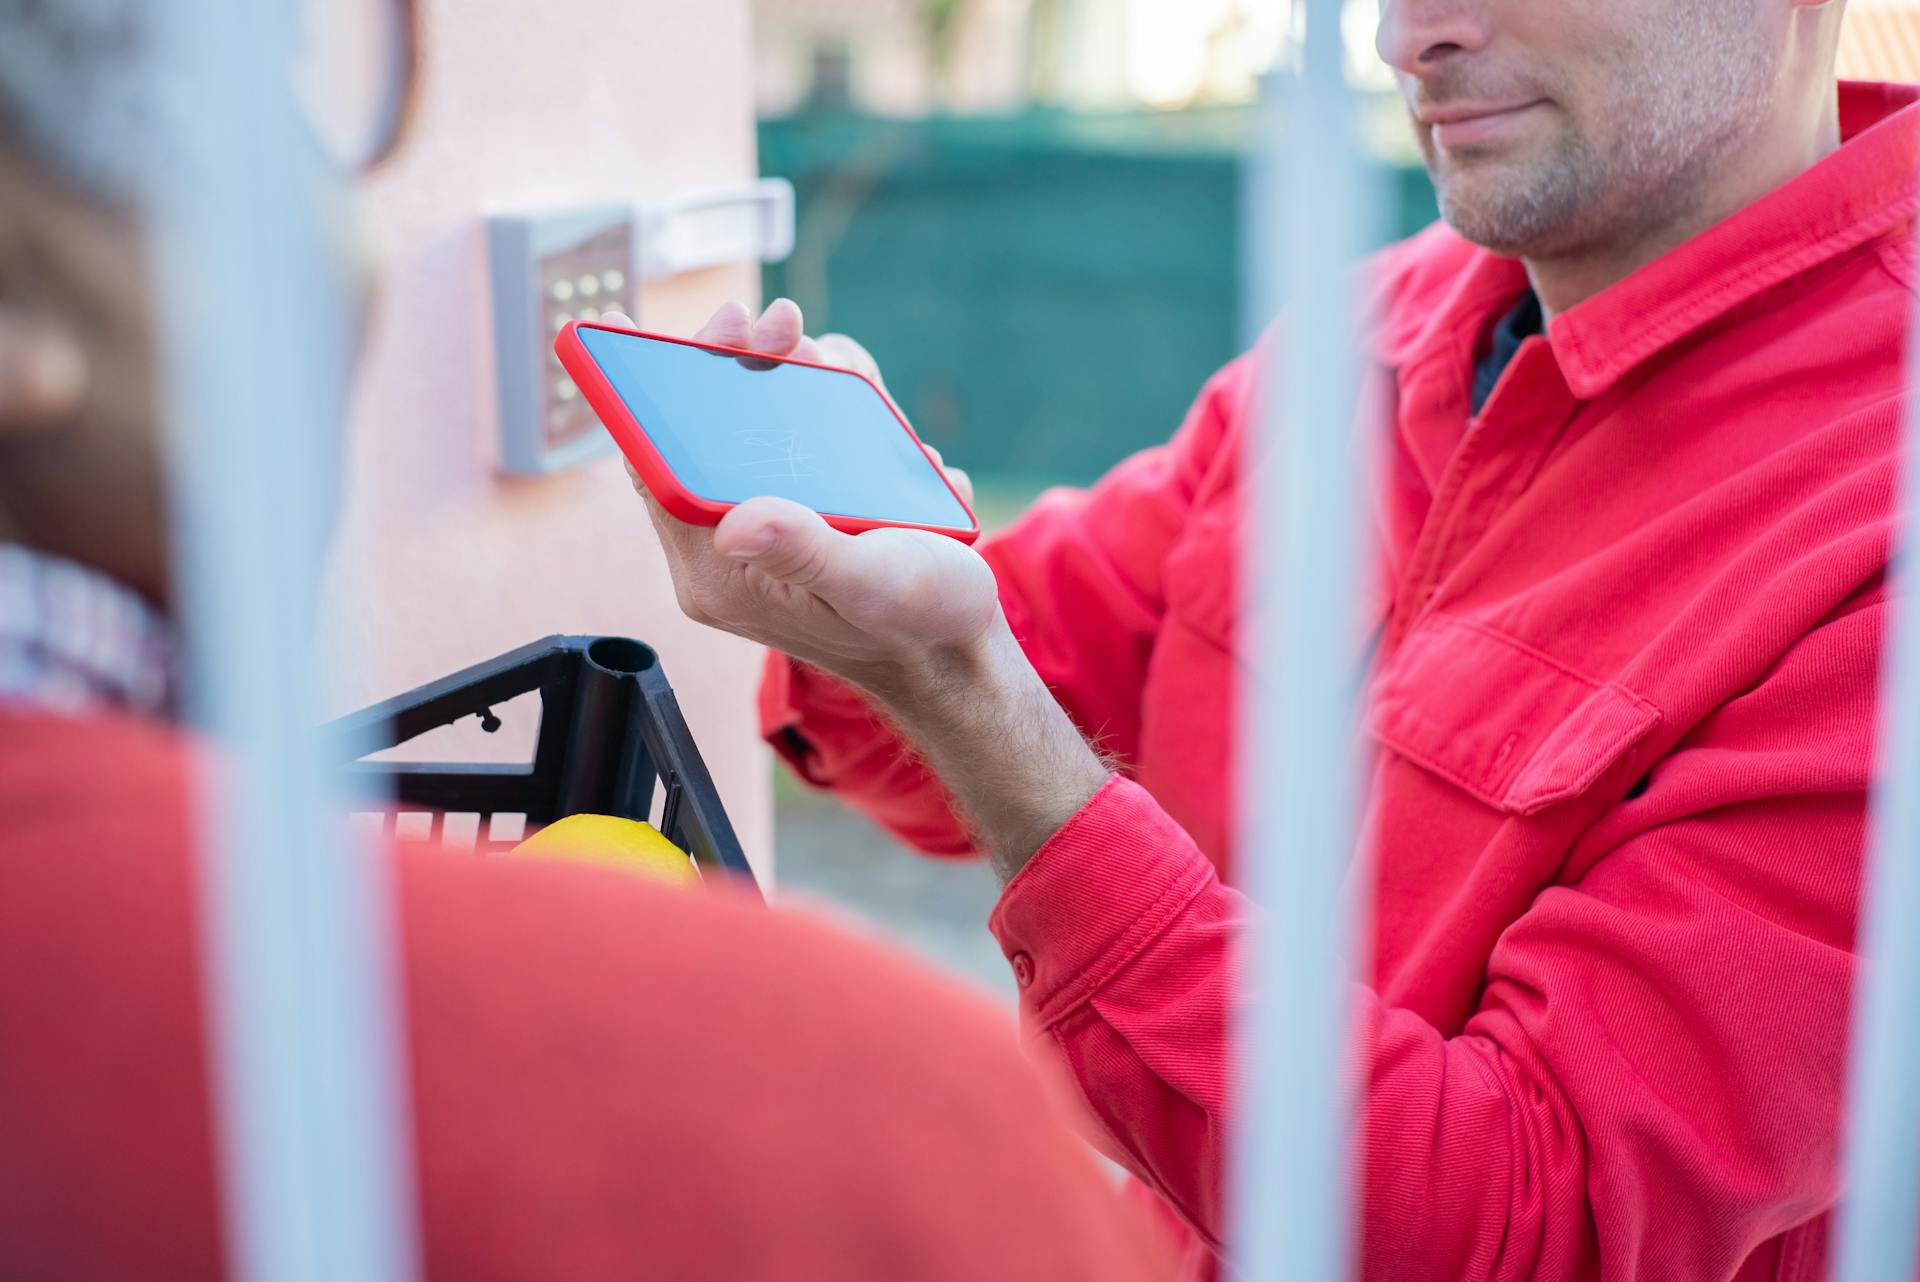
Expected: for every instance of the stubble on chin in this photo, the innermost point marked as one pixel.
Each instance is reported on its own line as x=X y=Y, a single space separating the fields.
x=1630 y=154
x=1521 y=205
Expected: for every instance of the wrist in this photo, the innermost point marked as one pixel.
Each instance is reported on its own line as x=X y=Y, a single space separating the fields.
x=1013 y=761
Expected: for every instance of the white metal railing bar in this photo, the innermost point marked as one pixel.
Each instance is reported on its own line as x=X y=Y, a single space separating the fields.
x=307 y=1055
x=1878 y=1236
x=1310 y=203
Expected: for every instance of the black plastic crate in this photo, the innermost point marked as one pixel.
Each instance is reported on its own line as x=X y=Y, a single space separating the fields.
x=610 y=733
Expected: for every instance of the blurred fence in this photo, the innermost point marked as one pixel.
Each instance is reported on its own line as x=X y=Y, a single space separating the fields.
x=1045 y=291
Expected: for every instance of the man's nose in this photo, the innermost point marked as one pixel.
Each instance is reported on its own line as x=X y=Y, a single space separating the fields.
x=1419 y=37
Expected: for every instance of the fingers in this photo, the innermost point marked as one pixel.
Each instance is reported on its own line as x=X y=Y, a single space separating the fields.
x=42 y=373
x=779 y=329
x=962 y=484
x=731 y=326
x=960 y=480
x=838 y=349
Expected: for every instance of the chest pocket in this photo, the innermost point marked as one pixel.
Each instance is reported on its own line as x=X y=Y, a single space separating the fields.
x=1510 y=725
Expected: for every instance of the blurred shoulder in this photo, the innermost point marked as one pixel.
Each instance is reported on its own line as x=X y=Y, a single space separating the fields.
x=741 y=1090
x=1409 y=279
x=93 y=783
x=604 y=1069
x=715 y=965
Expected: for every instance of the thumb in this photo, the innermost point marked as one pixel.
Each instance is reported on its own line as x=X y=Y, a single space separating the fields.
x=783 y=540
x=892 y=586
x=885 y=569
x=904 y=572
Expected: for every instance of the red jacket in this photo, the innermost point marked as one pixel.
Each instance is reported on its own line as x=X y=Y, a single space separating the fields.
x=1622 y=708
x=612 y=1079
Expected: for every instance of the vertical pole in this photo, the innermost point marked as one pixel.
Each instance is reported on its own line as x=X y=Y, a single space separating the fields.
x=306 y=1048
x=1879 y=1228
x=1308 y=210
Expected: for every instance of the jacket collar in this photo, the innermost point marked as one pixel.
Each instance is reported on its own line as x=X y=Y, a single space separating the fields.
x=1865 y=189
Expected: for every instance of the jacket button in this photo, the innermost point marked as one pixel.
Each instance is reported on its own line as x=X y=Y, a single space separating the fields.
x=1023 y=970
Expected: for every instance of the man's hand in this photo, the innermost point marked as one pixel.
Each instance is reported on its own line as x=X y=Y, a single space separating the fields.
x=909 y=616
x=864 y=607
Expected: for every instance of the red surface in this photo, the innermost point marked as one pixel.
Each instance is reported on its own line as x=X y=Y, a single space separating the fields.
x=1621 y=715
x=673 y=495
x=612 y=1079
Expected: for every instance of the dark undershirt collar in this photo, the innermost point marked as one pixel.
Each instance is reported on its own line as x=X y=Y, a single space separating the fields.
x=1515 y=328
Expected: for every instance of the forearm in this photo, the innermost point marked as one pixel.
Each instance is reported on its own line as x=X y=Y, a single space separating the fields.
x=1015 y=765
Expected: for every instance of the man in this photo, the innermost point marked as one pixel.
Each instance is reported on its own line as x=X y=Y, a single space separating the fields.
x=610 y=1079
x=1642 y=398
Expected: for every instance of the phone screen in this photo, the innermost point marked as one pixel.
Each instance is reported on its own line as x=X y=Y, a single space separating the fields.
x=732 y=431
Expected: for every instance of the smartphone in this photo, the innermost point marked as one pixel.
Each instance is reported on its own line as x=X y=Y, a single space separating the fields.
x=708 y=427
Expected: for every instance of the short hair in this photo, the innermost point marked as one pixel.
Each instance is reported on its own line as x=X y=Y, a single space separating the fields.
x=76 y=91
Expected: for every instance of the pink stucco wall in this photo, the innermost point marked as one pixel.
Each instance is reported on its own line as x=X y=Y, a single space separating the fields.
x=442 y=560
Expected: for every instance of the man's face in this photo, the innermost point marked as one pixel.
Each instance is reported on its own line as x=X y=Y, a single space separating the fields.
x=1553 y=126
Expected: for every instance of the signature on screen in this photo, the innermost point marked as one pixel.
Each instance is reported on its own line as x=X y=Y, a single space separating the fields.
x=772 y=455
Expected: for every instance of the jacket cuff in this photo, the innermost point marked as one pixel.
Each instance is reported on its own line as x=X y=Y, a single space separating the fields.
x=1095 y=895
x=802 y=710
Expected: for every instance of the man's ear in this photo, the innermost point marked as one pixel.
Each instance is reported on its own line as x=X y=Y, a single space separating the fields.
x=43 y=373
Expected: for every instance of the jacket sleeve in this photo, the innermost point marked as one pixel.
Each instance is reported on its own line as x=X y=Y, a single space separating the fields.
x=1650 y=1084
x=1082 y=583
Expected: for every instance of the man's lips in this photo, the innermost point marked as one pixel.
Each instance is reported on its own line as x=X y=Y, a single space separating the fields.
x=1464 y=125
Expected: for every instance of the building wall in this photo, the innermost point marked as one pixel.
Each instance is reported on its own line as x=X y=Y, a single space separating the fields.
x=890 y=54
x=443 y=561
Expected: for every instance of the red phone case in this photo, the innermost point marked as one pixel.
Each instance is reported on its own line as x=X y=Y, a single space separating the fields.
x=659 y=478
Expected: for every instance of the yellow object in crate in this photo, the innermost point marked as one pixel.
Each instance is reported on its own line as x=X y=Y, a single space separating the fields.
x=631 y=844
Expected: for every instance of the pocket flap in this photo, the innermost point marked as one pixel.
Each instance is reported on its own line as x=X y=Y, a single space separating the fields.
x=1512 y=726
